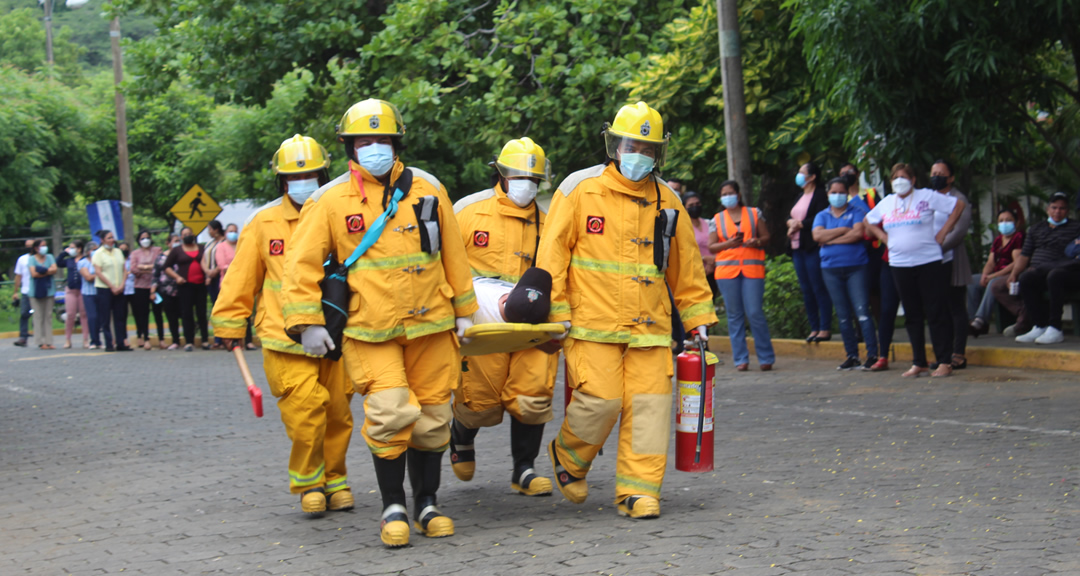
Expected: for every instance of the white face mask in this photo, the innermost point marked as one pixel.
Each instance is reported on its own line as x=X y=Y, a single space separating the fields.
x=521 y=192
x=145 y=242
x=73 y=251
x=301 y=190
x=376 y=158
x=901 y=186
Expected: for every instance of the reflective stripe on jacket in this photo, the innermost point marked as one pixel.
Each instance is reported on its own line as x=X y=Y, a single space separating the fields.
x=733 y=261
x=598 y=246
x=397 y=288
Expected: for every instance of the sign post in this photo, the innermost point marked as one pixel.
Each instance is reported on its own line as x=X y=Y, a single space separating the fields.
x=195 y=209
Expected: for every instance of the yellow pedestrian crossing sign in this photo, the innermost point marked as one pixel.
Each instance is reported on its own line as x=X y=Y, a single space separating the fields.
x=196 y=209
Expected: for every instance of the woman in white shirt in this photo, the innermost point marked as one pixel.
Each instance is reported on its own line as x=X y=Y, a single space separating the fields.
x=915 y=257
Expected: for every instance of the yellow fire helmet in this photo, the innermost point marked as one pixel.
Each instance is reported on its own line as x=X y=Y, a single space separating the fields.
x=523 y=157
x=640 y=123
x=371 y=117
x=298 y=155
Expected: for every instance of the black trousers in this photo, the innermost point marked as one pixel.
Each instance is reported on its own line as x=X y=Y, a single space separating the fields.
x=193 y=308
x=114 y=306
x=171 y=306
x=157 y=309
x=958 y=316
x=923 y=293
x=1056 y=281
x=140 y=308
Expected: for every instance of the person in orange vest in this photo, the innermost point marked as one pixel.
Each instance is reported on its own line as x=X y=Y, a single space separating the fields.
x=616 y=237
x=312 y=393
x=501 y=229
x=408 y=292
x=736 y=237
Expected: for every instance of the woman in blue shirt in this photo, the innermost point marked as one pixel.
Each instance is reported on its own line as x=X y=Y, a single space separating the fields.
x=844 y=264
x=89 y=295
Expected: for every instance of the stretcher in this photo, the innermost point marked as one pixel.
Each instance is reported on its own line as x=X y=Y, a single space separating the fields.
x=504 y=337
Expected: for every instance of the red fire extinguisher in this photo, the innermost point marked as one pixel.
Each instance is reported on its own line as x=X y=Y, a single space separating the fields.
x=694 y=421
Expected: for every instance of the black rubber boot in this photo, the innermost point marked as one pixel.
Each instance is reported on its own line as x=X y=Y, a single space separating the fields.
x=394 y=528
x=525 y=440
x=462 y=453
x=425 y=470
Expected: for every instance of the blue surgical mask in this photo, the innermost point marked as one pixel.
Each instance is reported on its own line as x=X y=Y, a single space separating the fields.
x=43 y=250
x=376 y=158
x=730 y=201
x=301 y=190
x=837 y=200
x=1056 y=222
x=636 y=166
x=800 y=179
x=1006 y=228
x=231 y=236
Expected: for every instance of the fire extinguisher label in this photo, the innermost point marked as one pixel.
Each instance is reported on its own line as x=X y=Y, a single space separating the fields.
x=689 y=408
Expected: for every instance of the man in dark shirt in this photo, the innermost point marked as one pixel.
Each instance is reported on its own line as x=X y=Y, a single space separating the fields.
x=1043 y=266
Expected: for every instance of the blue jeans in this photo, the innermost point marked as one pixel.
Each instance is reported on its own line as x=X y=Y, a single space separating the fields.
x=847 y=287
x=91 y=324
x=743 y=298
x=815 y=294
x=890 y=305
x=980 y=300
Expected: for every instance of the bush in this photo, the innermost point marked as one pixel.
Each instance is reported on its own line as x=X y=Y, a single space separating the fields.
x=784 y=309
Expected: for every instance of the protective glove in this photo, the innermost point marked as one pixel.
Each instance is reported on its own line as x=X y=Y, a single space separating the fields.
x=566 y=324
x=700 y=334
x=316 y=340
x=463 y=324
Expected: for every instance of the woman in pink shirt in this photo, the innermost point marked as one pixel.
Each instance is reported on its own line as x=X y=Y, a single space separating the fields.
x=804 y=251
x=694 y=207
x=142 y=267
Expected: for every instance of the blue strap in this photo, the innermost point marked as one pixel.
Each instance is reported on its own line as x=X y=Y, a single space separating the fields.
x=375 y=230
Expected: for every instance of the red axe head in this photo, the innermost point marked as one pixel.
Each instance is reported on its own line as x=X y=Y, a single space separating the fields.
x=256 y=400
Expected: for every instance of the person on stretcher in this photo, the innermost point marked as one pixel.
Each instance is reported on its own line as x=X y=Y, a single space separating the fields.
x=527 y=302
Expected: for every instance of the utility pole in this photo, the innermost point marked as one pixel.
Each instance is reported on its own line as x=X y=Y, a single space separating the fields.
x=737 y=141
x=121 y=132
x=57 y=225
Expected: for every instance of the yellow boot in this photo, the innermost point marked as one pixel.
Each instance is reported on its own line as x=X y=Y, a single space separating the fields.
x=573 y=488
x=529 y=484
x=640 y=507
x=462 y=451
x=341 y=500
x=313 y=502
x=433 y=524
x=394 y=530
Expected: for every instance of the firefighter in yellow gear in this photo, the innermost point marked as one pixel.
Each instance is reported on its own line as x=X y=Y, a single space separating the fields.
x=409 y=291
x=313 y=395
x=615 y=240
x=501 y=229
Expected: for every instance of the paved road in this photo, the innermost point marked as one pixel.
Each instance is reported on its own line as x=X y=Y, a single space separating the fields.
x=151 y=463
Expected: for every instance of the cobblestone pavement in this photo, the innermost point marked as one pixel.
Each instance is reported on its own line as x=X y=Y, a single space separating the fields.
x=152 y=463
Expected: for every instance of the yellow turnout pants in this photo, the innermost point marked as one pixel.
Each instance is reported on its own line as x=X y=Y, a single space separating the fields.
x=406 y=384
x=610 y=380
x=520 y=383
x=313 y=398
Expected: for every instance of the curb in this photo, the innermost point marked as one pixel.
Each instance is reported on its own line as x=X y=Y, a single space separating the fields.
x=1035 y=358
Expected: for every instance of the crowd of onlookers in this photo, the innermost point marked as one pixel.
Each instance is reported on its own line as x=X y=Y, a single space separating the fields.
x=862 y=254
x=106 y=283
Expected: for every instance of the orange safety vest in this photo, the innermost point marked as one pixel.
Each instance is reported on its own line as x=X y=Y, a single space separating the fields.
x=750 y=262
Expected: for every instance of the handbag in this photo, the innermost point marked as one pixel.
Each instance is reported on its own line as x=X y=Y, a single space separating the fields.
x=42 y=283
x=335 y=283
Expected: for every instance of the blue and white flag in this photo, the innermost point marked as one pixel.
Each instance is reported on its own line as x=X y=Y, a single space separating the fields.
x=105 y=215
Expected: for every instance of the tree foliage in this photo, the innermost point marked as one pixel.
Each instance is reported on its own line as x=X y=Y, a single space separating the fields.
x=22 y=44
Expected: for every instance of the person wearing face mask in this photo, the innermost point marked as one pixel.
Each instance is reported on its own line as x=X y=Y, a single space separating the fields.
x=736 y=237
x=980 y=291
x=21 y=297
x=313 y=393
x=915 y=255
x=43 y=289
x=702 y=227
x=1044 y=266
x=501 y=229
x=839 y=232
x=141 y=262
x=91 y=324
x=163 y=294
x=804 y=251
x=616 y=237
x=109 y=279
x=955 y=257
x=184 y=266
x=409 y=290
x=73 y=301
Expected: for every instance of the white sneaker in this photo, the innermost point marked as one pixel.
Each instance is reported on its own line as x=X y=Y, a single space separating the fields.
x=1031 y=336
x=1051 y=336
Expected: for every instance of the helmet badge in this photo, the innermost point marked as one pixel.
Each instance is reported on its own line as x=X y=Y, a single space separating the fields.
x=374 y=122
x=645 y=128
x=300 y=163
x=532 y=161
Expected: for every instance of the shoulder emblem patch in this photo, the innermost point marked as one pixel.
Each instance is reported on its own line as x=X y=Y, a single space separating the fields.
x=354 y=223
x=277 y=247
x=480 y=239
x=594 y=224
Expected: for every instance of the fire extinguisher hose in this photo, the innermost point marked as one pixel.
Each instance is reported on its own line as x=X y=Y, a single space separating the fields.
x=701 y=404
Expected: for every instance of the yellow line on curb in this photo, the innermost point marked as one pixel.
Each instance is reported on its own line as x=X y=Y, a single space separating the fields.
x=52 y=356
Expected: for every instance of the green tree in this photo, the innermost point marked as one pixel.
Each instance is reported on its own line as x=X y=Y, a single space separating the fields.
x=22 y=44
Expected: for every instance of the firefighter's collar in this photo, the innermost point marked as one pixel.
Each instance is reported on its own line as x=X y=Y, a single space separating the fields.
x=362 y=181
x=288 y=209
x=619 y=183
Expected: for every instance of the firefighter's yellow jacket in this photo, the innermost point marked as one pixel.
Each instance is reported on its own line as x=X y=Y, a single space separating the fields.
x=398 y=288
x=598 y=246
x=256 y=271
x=500 y=237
